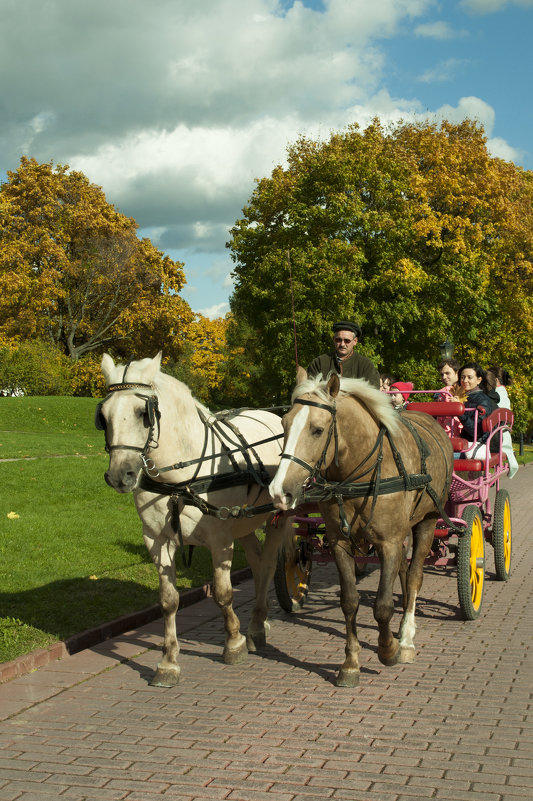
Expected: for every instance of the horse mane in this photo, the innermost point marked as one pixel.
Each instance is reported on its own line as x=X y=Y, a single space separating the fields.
x=376 y=402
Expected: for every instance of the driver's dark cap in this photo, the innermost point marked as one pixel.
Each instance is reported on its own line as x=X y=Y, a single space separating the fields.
x=345 y=325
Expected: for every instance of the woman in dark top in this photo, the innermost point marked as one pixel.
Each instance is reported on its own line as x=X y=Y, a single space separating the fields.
x=479 y=397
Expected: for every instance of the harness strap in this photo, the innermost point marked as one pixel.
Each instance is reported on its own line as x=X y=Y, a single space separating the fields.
x=190 y=495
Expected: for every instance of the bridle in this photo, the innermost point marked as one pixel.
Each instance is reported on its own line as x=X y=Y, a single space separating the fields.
x=152 y=415
x=332 y=432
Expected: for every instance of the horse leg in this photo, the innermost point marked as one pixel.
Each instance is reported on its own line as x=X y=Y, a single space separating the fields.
x=423 y=533
x=259 y=626
x=162 y=551
x=404 y=567
x=348 y=675
x=235 y=650
x=390 y=555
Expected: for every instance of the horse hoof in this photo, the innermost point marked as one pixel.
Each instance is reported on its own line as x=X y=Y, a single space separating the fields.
x=406 y=655
x=347 y=678
x=163 y=677
x=255 y=642
x=236 y=656
x=389 y=656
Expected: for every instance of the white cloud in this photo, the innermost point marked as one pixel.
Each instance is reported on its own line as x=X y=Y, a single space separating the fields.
x=212 y=312
x=490 y=6
x=444 y=71
x=438 y=30
x=468 y=108
x=499 y=148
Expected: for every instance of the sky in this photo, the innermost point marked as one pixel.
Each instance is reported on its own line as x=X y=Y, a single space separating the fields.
x=176 y=107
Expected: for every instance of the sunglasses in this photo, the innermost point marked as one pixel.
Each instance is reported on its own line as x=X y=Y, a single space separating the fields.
x=338 y=340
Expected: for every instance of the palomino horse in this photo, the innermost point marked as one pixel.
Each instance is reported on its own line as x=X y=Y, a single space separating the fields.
x=378 y=475
x=198 y=479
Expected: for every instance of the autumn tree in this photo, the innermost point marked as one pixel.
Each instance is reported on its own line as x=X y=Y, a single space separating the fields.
x=202 y=363
x=74 y=272
x=413 y=230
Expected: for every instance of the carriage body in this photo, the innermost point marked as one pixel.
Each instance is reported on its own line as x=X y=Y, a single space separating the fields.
x=476 y=517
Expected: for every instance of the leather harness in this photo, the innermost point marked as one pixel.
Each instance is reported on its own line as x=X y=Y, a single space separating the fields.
x=317 y=488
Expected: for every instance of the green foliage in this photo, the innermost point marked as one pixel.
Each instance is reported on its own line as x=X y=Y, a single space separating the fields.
x=423 y=374
x=36 y=367
x=414 y=231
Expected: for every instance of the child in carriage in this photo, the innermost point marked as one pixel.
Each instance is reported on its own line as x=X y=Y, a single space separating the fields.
x=399 y=394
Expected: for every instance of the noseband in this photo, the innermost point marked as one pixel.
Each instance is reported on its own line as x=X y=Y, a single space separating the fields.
x=152 y=412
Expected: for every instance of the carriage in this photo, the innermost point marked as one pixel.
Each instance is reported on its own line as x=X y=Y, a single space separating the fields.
x=200 y=478
x=477 y=511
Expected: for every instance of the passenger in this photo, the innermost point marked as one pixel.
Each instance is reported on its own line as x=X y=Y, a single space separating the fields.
x=451 y=391
x=400 y=397
x=481 y=399
x=344 y=360
x=385 y=380
x=448 y=371
x=501 y=379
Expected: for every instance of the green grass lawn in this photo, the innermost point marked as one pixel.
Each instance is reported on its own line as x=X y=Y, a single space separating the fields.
x=71 y=549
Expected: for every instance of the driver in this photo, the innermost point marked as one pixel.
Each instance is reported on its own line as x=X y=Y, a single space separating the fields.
x=344 y=360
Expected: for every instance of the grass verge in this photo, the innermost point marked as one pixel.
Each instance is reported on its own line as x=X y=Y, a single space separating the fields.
x=71 y=550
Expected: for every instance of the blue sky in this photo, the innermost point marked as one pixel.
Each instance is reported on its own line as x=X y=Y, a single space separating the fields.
x=174 y=107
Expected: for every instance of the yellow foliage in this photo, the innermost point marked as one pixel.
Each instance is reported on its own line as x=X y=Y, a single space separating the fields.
x=74 y=272
x=209 y=352
x=86 y=378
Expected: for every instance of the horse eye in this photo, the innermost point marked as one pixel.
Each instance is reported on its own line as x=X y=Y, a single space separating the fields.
x=316 y=431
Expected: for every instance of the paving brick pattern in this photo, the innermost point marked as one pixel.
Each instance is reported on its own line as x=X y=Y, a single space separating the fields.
x=456 y=724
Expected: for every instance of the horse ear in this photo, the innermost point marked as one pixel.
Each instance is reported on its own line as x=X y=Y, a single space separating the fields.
x=154 y=367
x=301 y=375
x=107 y=364
x=333 y=385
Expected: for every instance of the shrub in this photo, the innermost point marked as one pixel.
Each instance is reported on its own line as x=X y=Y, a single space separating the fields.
x=33 y=368
x=86 y=378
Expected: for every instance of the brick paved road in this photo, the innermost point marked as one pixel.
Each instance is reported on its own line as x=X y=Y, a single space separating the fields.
x=454 y=725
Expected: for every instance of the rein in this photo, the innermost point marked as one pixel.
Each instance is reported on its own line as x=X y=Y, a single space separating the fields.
x=318 y=488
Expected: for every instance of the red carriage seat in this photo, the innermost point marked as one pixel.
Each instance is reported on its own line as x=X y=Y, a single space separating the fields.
x=495 y=419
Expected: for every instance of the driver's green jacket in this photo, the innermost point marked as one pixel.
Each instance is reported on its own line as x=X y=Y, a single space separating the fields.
x=355 y=366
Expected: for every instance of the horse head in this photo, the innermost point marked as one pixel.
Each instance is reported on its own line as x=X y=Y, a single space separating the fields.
x=330 y=421
x=129 y=415
x=310 y=439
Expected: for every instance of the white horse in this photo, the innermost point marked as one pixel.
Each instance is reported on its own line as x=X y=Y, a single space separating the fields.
x=198 y=479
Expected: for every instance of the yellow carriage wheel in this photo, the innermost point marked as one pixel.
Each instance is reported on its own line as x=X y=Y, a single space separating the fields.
x=471 y=564
x=293 y=574
x=501 y=535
